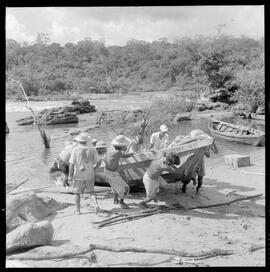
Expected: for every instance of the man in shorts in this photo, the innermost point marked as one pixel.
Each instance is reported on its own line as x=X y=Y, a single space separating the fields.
x=112 y=176
x=82 y=163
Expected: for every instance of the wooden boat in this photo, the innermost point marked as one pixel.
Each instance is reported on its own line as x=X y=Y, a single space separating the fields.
x=236 y=133
x=132 y=169
x=258 y=116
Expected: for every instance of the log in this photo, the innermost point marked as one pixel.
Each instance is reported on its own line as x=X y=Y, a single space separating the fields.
x=182 y=253
x=15 y=187
x=128 y=217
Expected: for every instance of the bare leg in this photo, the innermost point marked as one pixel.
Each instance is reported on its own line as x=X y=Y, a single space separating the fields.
x=115 y=197
x=122 y=204
x=65 y=181
x=95 y=201
x=200 y=180
x=77 y=203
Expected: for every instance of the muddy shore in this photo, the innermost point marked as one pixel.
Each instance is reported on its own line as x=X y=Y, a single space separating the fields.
x=239 y=227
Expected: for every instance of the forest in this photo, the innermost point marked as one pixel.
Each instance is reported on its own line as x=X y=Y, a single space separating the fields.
x=200 y=65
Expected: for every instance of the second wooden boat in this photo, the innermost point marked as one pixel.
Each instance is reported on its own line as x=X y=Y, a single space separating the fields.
x=236 y=133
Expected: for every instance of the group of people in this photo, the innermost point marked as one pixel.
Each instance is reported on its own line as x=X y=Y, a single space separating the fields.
x=79 y=161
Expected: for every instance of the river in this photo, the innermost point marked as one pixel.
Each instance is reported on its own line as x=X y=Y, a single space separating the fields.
x=26 y=156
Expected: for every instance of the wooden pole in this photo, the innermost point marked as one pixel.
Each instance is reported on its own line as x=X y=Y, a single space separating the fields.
x=17 y=186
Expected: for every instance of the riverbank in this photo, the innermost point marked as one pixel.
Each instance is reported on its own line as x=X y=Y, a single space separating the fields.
x=239 y=227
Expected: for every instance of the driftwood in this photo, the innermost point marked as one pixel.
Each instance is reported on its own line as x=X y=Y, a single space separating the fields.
x=35 y=189
x=182 y=253
x=128 y=217
x=46 y=139
x=15 y=187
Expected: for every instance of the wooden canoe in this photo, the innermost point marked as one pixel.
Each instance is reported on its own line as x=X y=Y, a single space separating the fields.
x=236 y=133
x=132 y=169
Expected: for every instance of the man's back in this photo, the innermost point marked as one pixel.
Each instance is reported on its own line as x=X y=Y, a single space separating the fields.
x=83 y=158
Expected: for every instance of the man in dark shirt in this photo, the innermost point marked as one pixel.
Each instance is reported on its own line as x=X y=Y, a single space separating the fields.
x=152 y=176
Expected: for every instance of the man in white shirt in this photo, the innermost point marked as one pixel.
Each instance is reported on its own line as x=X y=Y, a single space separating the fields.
x=82 y=164
x=159 y=140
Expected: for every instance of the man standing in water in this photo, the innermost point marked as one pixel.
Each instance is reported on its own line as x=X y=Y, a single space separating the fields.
x=159 y=140
x=82 y=163
x=61 y=163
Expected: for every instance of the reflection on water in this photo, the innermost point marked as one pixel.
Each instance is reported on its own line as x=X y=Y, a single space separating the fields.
x=26 y=156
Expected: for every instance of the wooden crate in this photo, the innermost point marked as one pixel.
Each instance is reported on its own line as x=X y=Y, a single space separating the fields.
x=237 y=160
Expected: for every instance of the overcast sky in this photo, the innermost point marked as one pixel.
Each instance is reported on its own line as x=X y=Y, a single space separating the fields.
x=116 y=25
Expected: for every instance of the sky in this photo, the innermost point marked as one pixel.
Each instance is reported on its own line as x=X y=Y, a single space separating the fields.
x=117 y=25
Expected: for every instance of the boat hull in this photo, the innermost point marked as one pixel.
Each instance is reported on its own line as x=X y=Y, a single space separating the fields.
x=132 y=169
x=254 y=139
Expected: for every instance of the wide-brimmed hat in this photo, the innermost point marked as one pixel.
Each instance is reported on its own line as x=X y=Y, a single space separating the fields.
x=94 y=140
x=101 y=144
x=83 y=137
x=163 y=128
x=196 y=132
x=121 y=140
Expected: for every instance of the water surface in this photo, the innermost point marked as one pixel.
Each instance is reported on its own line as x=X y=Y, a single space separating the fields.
x=26 y=156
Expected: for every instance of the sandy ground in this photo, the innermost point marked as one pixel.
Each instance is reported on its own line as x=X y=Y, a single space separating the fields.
x=236 y=227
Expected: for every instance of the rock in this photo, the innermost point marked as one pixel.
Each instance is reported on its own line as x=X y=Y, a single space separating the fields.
x=220 y=95
x=60 y=115
x=200 y=107
x=13 y=220
x=24 y=208
x=217 y=105
x=52 y=204
x=29 y=235
x=182 y=117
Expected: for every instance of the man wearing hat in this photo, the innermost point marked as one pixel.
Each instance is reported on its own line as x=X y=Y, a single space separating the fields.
x=82 y=162
x=119 y=186
x=152 y=177
x=159 y=139
x=61 y=163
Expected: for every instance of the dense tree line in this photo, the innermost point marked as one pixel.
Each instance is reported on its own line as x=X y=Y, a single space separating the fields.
x=201 y=65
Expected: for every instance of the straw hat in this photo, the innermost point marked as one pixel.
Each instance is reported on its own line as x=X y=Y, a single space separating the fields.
x=163 y=128
x=101 y=144
x=83 y=137
x=121 y=140
x=196 y=132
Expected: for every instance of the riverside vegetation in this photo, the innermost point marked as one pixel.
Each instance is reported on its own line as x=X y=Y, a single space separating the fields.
x=195 y=66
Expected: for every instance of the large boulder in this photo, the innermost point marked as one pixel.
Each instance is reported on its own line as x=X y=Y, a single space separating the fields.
x=220 y=95
x=182 y=117
x=29 y=235
x=60 y=115
x=24 y=208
